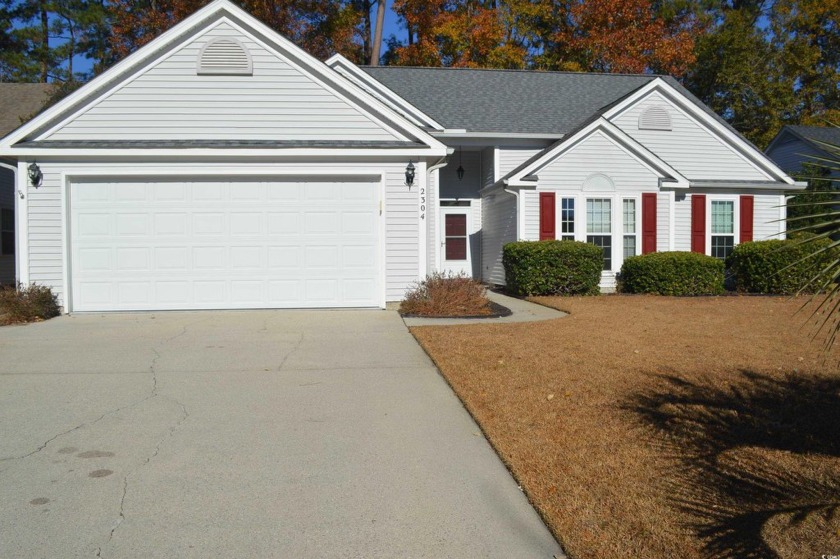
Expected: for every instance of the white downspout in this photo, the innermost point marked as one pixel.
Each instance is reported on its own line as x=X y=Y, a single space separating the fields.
x=440 y=164
x=515 y=194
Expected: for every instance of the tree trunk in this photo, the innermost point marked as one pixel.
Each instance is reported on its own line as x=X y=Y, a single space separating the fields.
x=45 y=41
x=366 y=39
x=377 y=38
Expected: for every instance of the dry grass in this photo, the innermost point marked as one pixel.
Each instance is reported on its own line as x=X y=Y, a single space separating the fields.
x=32 y=303
x=655 y=427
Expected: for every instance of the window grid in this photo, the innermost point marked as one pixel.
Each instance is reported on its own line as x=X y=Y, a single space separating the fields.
x=598 y=215
x=605 y=243
x=629 y=211
x=723 y=228
x=567 y=219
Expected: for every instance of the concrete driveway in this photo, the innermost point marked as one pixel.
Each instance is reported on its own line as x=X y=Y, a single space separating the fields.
x=244 y=434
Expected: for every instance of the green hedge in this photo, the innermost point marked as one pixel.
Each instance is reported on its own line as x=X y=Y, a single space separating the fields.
x=672 y=273
x=774 y=267
x=552 y=268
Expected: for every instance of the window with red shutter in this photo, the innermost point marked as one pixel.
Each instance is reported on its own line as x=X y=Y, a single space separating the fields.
x=648 y=223
x=547 y=216
x=698 y=223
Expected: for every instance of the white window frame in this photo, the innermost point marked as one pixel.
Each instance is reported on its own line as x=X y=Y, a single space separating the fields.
x=558 y=212
x=736 y=218
x=637 y=222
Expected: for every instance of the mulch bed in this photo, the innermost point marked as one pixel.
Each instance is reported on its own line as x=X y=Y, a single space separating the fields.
x=496 y=311
x=655 y=427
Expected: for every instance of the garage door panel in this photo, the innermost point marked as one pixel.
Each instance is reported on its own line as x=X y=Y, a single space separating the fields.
x=206 y=245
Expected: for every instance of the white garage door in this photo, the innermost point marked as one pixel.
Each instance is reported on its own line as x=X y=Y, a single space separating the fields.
x=158 y=244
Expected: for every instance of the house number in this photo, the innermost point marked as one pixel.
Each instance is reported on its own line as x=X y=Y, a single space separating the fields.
x=422 y=203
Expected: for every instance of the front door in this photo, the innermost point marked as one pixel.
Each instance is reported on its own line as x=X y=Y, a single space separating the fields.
x=455 y=240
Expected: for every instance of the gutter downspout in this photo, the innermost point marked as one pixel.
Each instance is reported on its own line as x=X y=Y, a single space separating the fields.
x=515 y=194
x=441 y=163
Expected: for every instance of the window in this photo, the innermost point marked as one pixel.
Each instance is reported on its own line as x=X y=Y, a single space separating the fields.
x=723 y=228
x=629 y=228
x=567 y=219
x=7 y=231
x=599 y=226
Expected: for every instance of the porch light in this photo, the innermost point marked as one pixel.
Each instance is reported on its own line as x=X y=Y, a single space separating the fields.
x=35 y=175
x=409 y=174
x=460 y=170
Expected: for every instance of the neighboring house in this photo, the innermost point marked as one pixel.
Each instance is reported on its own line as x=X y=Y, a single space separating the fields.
x=220 y=166
x=795 y=145
x=18 y=102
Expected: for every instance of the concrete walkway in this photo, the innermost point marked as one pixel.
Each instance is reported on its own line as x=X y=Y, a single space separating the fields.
x=290 y=434
x=523 y=311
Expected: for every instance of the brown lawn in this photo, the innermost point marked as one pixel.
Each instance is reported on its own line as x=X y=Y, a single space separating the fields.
x=655 y=427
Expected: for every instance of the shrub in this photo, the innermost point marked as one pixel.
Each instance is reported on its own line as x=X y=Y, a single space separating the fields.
x=673 y=273
x=777 y=267
x=27 y=304
x=446 y=295
x=552 y=268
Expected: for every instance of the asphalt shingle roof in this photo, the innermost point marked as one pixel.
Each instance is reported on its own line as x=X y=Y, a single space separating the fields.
x=20 y=101
x=507 y=101
x=825 y=134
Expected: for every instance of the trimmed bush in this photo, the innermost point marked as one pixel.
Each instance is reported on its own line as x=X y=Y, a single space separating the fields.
x=774 y=267
x=27 y=304
x=552 y=268
x=447 y=295
x=673 y=273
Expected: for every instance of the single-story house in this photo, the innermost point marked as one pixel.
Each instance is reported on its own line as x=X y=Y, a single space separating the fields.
x=795 y=145
x=221 y=166
x=18 y=102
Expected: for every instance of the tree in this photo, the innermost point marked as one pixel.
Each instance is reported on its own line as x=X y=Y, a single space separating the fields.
x=628 y=36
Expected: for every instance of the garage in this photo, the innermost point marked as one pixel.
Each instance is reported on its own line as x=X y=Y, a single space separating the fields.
x=165 y=244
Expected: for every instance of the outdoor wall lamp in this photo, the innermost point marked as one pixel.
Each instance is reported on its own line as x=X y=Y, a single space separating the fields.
x=35 y=175
x=409 y=174
x=460 y=170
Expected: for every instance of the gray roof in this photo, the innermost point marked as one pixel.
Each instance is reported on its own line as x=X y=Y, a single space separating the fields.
x=817 y=134
x=216 y=144
x=506 y=101
x=19 y=102
x=514 y=101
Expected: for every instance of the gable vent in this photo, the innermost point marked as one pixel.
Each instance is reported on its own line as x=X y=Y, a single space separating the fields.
x=655 y=118
x=224 y=57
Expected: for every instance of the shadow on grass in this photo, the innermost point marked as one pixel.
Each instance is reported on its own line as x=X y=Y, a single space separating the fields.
x=728 y=438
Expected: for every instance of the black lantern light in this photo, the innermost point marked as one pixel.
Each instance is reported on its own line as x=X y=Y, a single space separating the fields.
x=409 y=174
x=35 y=175
x=460 y=169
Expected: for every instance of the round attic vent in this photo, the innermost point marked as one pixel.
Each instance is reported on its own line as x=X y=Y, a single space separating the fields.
x=598 y=182
x=223 y=57
x=655 y=118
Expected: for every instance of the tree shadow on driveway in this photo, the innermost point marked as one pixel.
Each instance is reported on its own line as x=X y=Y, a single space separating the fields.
x=759 y=457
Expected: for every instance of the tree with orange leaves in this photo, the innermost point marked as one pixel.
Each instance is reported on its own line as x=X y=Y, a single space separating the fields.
x=627 y=36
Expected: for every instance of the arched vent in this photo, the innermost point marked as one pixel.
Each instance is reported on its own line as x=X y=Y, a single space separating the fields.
x=655 y=118
x=598 y=182
x=224 y=57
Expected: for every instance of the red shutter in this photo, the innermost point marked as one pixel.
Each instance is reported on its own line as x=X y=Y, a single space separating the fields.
x=648 y=223
x=547 y=221
x=698 y=223
x=747 y=204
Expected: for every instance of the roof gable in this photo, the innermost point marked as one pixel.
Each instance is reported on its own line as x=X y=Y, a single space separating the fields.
x=158 y=94
x=703 y=135
x=622 y=145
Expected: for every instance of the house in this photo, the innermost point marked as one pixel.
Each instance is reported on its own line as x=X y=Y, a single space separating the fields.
x=795 y=145
x=220 y=167
x=18 y=102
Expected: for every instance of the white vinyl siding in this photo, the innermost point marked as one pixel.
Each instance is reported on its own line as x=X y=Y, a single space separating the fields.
x=487 y=167
x=401 y=211
x=7 y=202
x=512 y=157
x=171 y=101
x=690 y=147
x=597 y=154
x=767 y=212
x=530 y=215
x=432 y=204
x=499 y=228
